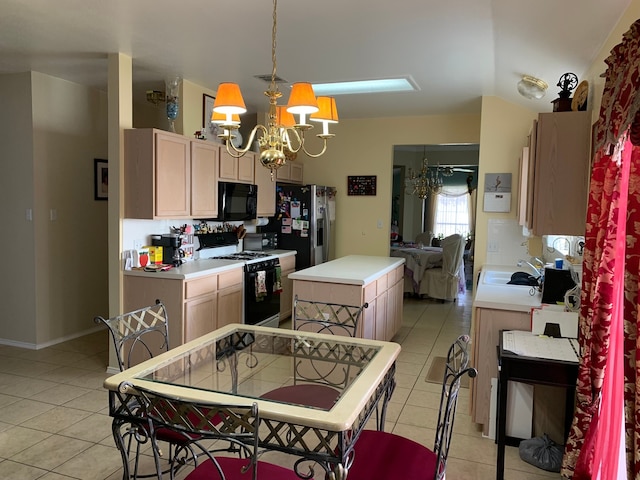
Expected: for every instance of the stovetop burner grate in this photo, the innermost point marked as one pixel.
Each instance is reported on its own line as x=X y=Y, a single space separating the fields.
x=246 y=255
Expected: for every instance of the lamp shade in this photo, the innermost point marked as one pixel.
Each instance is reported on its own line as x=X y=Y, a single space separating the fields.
x=302 y=100
x=229 y=99
x=230 y=119
x=284 y=118
x=327 y=110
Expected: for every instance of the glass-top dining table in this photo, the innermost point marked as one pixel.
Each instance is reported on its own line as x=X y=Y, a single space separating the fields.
x=243 y=364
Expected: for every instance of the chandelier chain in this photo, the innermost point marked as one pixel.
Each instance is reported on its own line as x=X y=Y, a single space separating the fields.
x=273 y=87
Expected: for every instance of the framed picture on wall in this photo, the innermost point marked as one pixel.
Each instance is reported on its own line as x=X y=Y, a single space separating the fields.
x=210 y=129
x=101 y=179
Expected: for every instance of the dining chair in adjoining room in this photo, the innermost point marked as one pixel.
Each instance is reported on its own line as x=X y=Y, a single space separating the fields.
x=444 y=282
x=313 y=384
x=383 y=455
x=137 y=336
x=236 y=424
x=424 y=238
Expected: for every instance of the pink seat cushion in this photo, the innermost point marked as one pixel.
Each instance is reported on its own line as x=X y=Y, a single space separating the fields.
x=321 y=396
x=232 y=468
x=382 y=455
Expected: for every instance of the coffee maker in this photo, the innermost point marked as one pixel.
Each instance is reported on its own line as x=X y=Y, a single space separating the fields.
x=172 y=254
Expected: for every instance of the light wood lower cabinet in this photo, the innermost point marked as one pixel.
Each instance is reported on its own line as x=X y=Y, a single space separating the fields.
x=287 y=266
x=487 y=325
x=194 y=307
x=382 y=319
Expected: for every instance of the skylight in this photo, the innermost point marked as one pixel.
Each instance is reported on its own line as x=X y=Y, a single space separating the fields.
x=405 y=84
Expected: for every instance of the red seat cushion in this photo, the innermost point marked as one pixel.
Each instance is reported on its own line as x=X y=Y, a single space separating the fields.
x=321 y=396
x=382 y=455
x=232 y=468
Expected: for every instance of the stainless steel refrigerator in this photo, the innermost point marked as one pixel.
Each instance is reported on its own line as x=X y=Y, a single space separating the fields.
x=305 y=220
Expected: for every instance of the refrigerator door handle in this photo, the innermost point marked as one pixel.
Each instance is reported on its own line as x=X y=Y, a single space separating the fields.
x=326 y=234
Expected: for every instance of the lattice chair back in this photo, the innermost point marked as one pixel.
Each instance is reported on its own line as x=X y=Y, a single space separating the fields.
x=138 y=335
x=455 y=369
x=236 y=424
x=332 y=318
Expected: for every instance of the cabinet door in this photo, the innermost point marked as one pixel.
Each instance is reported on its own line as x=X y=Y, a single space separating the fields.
x=204 y=179
x=229 y=306
x=199 y=315
x=295 y=172
x=228 y=166
x=488 y=323
x=266 y=190
x=172 y=176
x=524 y=178
x=284 y=172
x=531 y=182
x=286 y=297
x=562 y=173
x=246 y=167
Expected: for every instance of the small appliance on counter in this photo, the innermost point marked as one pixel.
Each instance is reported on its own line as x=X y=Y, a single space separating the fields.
x=172 y=254
x=261 y=241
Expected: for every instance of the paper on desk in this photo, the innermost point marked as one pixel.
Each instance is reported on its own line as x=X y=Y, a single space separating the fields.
x=530 y=345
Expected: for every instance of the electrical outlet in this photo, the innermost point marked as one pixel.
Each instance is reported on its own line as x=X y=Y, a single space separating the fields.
x=137 y=245
x=379 y=223
x=493 y=247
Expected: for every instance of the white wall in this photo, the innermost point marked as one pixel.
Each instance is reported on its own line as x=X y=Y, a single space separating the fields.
x=53 y=131
x=365 y=147
x=17 y=286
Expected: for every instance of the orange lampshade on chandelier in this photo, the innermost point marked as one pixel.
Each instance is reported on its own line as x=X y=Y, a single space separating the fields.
x=283 y=137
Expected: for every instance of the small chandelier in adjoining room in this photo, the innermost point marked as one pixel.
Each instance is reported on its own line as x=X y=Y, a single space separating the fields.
x=428 y=181
x=279 y=140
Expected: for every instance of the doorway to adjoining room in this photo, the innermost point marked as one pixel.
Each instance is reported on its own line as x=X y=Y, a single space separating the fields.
x=434 y=195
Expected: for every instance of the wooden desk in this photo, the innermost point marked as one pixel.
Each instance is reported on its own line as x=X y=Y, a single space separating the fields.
x=541 y=371
x=240 y=363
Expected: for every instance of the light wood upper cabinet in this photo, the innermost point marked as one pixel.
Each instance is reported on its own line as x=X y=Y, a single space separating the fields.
x=204 y=178
x=559 y=168
x=290 y=172
x=266 y=190
x=169 y=176
x=234 y=169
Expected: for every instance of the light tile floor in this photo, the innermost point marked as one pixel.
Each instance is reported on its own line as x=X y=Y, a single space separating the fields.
x=54 y=423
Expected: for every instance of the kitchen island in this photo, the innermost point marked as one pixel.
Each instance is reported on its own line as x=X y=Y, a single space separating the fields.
x=355 y=280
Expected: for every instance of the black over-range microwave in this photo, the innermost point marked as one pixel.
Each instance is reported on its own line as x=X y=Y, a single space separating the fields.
x=237 y=201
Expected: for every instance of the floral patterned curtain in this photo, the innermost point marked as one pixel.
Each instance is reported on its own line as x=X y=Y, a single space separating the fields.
x=610 y=287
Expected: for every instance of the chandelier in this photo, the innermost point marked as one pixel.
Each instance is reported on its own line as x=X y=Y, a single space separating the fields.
x=428 y=181
x=282 y=138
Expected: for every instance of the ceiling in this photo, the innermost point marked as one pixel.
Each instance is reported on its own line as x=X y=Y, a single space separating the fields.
x=455 y=51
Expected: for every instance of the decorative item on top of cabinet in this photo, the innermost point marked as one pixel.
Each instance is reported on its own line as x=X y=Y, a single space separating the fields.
x=290 y=172
x=266 y=206
x=558 y=170
x=159 y=167
x=234 y=169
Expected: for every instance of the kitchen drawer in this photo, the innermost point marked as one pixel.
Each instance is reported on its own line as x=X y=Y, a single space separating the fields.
x=201 y=286
x=230 y=278
x=382 y=285
x=287 y=263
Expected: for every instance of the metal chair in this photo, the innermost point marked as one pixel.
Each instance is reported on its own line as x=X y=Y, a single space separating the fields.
x=320 y=317
x=237 y=424
x=313 y=385
x=380 y=454
x=137 y=336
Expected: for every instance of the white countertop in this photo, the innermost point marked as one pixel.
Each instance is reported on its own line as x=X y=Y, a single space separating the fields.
x=201 y=267
x=505 y=297
x=351 y=270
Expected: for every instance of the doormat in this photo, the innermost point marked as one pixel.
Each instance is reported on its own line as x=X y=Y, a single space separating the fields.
x=436 y=372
